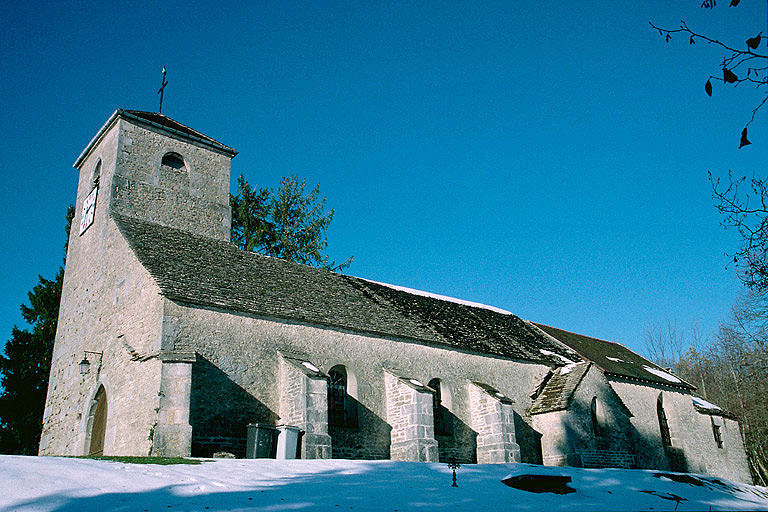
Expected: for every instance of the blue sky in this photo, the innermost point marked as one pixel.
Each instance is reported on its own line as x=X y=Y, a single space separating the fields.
x=549 y=158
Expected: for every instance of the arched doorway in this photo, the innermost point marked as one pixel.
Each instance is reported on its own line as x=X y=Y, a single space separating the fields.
x=98 y=422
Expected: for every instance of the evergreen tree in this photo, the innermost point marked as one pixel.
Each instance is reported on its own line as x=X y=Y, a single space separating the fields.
x=26 y=365
x=286 y=223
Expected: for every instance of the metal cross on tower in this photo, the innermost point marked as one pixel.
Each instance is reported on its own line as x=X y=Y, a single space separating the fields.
x=160 y=91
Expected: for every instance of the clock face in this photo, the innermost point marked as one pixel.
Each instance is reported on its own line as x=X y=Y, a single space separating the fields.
x=89 y=209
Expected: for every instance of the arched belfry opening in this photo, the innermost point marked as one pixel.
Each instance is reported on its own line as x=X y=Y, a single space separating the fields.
x=173 y=161
x=97 y=422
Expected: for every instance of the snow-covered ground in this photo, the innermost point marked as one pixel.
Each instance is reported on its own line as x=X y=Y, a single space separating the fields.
x=54 y=483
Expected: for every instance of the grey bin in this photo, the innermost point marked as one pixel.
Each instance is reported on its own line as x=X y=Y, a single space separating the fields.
x=288 y=442
x=261 y=441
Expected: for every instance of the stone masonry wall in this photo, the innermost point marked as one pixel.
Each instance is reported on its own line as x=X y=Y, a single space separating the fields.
x=409 y=413
x=304 y=404
x=691 y=432
x=570 y=436
x=172 y=435
x=554 y=440
x=109 y=304
x=242 y=353
x=494 y=421
x=195 y=199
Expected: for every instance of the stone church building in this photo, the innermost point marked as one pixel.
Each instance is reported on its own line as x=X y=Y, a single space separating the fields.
x=184 y=340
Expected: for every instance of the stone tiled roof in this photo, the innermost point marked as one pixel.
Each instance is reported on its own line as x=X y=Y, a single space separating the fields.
x=158 y=120
x=556 y=393
x=614 y=359
x=214 y=273
x=495 y=393
x=556 y=390
x=167 y=122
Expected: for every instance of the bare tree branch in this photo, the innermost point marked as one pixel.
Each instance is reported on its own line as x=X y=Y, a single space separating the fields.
x=733 y=65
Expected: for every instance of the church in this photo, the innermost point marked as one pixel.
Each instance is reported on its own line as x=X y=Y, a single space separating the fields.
x=171 y=341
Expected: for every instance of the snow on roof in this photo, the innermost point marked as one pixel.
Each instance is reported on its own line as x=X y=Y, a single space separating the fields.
x=440 y=297
x=613 y=358
x=550 y=353
x=704 y=404
x=661 y=373
x=568 y=368
x=310 y=366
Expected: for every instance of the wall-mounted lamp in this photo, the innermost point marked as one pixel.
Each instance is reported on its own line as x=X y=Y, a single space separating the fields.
x=85 y=365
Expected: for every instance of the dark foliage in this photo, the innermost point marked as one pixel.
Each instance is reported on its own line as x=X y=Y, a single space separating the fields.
x=26 y=365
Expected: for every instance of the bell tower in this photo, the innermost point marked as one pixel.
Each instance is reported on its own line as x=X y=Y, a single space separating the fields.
x=145 y=166
x=164 y=172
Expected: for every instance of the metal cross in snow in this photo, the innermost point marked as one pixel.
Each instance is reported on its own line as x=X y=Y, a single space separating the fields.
x=160 y=91
x=454 y=466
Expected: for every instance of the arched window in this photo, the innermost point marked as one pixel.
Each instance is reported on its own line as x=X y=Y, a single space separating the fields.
x=666 y=437
x=96 y=174
x=441 y=415
x=342 y=408
x=173 y=160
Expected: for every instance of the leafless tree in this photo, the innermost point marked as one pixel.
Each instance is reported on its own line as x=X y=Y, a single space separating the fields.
x=664 y=343
x=743 y=205
x=730 y=369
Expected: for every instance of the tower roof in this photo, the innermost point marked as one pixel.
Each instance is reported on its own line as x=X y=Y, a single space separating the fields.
x=157 y=120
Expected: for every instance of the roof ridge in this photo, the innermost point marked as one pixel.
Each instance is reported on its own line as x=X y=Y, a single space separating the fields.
x=158 y=120
x=605 y=354
x=582 y=335
x=439 y=296
x=142 y=113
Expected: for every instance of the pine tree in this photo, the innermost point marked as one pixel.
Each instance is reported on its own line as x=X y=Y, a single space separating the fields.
x=26 y=365
x=287 y=223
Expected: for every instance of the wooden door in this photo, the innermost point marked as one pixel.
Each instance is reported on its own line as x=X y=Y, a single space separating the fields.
x=99 y=427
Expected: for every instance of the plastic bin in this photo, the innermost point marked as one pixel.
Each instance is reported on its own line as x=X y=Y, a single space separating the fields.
x=287 y=441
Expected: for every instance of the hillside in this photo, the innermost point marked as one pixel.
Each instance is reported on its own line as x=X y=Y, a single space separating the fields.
x=65 y=484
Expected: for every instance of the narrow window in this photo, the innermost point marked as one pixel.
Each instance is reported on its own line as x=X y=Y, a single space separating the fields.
x=666 y=437
x=598 y=422
x=440 y=413
x=173 y=160
x=96 y=174
x=717 y=433
x=342 y=408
